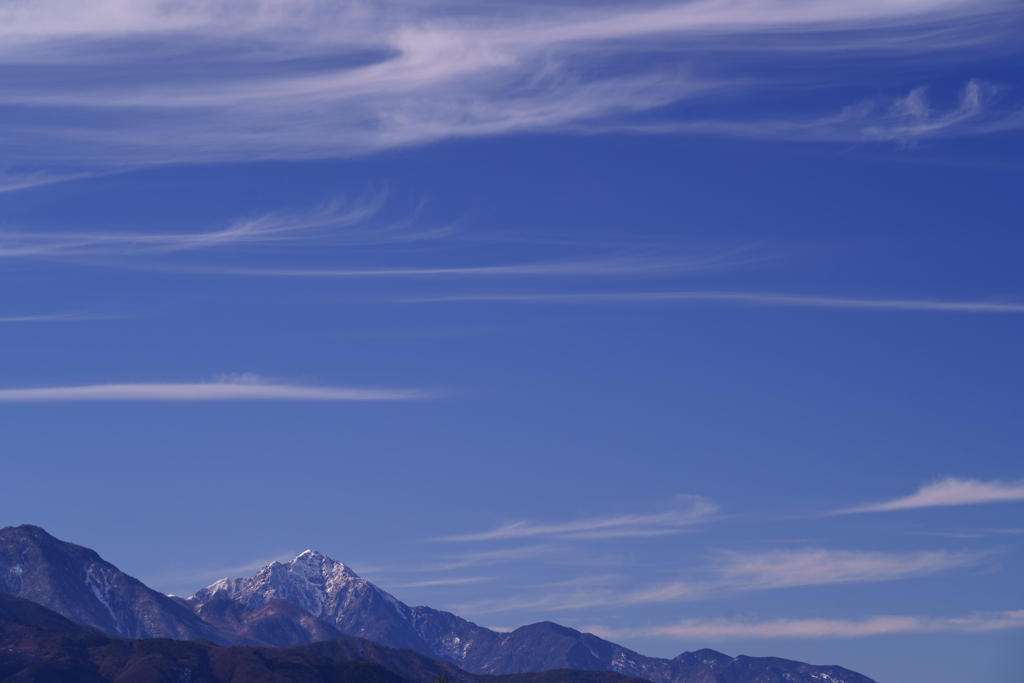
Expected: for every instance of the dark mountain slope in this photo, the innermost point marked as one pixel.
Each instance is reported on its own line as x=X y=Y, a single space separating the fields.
x=77 y=583
x=276 y=624
x=546 y=645
x=540 y=647
x=562 y=676
x=27 y=613
x=33 y=652
x=406 y=663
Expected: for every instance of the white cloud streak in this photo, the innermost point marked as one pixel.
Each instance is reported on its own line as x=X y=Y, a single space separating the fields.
x=696 y=510
x=733 y=629
x=446 y=582
x=331 y=223
x=115 y=82
x=815 y=567
x=230 y=390
x=741 y=298
x=493 y=557
x=903 y=120
x=628 y=264
x=734 y=573
x=347 y=228
x=947 y=492
x=55 y=317
x=16 y=182
x=205 y=576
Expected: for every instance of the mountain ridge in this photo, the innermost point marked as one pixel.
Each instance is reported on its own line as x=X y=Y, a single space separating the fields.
x=76 y=582
x=334 y=593
x=38 y=645
x=315 y=598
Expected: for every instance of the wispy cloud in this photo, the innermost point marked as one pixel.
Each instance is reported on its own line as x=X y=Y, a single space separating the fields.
x=903 y=120
x=540 y=551
x=912 y=117
x=691 y=510
x=613 y=265
x=243 y=388
x=975 y=533
x=332 y=223
x=102 y=82
x=446 y=582
x=398 y=575
x=14 y=182
x=732 y=573
x=813 y=567
x=193 y=576
x=731 y=629
x=350 y=228
x=950 y=491
x=740 y=298
x=55 y=317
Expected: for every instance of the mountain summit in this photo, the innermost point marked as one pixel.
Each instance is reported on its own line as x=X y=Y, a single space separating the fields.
x=332 y=592
x=311 y=581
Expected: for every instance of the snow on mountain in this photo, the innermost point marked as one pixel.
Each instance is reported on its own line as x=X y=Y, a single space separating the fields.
x=323 y=587
x=310 y=581
x=327 y=589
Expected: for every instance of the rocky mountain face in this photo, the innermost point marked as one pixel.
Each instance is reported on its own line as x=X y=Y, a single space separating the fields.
x=311 y=603
x=333 y=593
x=77 y=583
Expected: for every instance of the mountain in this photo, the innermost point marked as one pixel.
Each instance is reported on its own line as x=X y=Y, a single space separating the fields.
x=309 y=603
x=333 y=593
x=78 y=584
x=329 y=590
x=40 y=646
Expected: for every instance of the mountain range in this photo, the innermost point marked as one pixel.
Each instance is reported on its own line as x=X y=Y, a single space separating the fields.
x=321 y=607
x=38 y=645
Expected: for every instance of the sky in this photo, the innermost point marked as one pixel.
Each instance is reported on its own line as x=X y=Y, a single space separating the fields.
x=688 y=324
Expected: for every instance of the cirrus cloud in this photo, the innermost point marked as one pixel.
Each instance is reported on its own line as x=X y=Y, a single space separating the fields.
x=115 y=84
x=947 y=492
x=690 y=510
x=732 y=573
x=766 y=299
x=733 y=629
x=818 y=566
x=244 y=388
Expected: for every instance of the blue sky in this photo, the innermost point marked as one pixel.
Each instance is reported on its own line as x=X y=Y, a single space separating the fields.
x=689 y=324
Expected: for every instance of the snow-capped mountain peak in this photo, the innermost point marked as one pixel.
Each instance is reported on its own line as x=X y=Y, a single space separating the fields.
x=316 y=583
x=310 y=562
